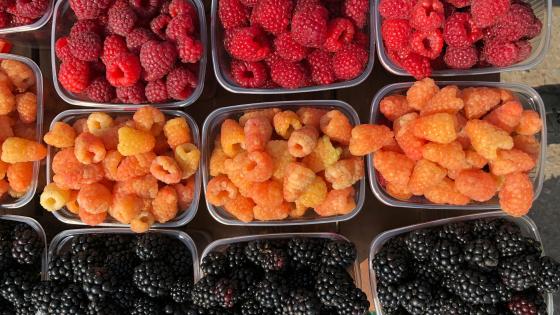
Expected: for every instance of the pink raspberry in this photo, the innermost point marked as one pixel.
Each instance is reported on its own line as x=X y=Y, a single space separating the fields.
x=32 y=9
x=396 y=9
x=113 y=47
x=132 y=94
x=349 y=62
x=190 y=50
x=74 y=75
x=322 y=72
x=121 y=18
x=535 y=29
x=179 y=7
x=180 y=27
x=247 y=43
x=87 y=9
x=427 y=43
x=145 y=8
x=427 y=15
x=287 y=74
x=486 y=13
x=138 y=37
x=396 y=34
x=340 y=32
x=157 y=59
x=310 y=25
x=288 y=48
x=460 y=31
x=85 y=46
x=124 y=70
x=62 y=50
x=514 y=25
x=249 y=74
x=181 y=83
x=233 y=14
x=156 y=91
x=417 y=66
x=357 y=10
x=82 y=26
x=100 y=91
x=459 y=3
x=272 y=15
x=159 y=24
x=500 y=54
x=461 y=57
x=525 y=49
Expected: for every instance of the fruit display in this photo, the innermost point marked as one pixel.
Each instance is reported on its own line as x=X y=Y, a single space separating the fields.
x=293 y=44
x=296 y=275
x=482 y=266
x=131 y=52
x=424 y=35
x=137 y=170
x=20 y=147
x=459 y=146
x=15 y=13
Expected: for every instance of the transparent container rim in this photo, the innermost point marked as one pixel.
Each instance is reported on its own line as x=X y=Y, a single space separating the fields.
x=25 y=199
x=180 y=235
x=33 y=26
x=387 y=200
x=68 y=98
x=380 y=239
x=229 y=86
x=207 y=143
x=394 y=69
x=189 y=213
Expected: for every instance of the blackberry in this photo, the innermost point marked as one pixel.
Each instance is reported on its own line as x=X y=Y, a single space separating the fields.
x=527 y=303
x=214 y=264
x=106 y=307
x=301 y=302
x=180 y=291
x=305 y=252
x=482 y=254
x=332 y=286
x=126 y=294
x=266 y=255
x=213 y=292
x=6 y=308
x=391 y=265
x=388 y=296
x=252 y=307
x=443 y=303
x=519 y=273
x=446 y=256
x=85 y=243
x=5 y=249
x=427 y=273
x=354 y=303
x=72 y=301
x=180 y=262
x=235 y=256
x=415 y=296
x=14 y=283
x=121 y=264
x=459 y=232
x=43 y=293
x=301 y=278
x=153 y=278
x=548 y=279
x=420 y=243
x=60 y=268
x=475 y=288
x=150 y=246
x=489 y=309
x=145 y=306
x=27 y=247
x=338 y=253
x=98 y=283
x=513 y=244
x=271 y=292
x=246 y=280
x=118 y=243
x=83 y=261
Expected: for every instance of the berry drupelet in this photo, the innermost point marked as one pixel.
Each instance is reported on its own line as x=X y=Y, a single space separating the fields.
x=214 y=264
x=266 y=255
x=153 y=278
x=338 y=253
x=27 y=247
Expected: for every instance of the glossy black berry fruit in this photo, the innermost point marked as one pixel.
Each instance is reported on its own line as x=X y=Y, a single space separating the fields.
x=415 y=297
x=476 y=288
x=271 y=292
x=482 y=254
x=214 y=264
x=27 y=246
x=420 y=243
x=333 y=285
x=105 y=307
x=338 y=253
x=512 y=243
x=60 y=268
x=459 y=232
x=146 y=306
x=180 y=291
x=72 y=301
x=548 y=279
x=121 y=264
x=305 y=252
x=520 y=273
x=154 y=278
x=151 y=246
x=301 y=302
x=235 y=256
x=446 y=256
x=392 y=265
x=388 y=296
x=98 y=283
x=125 y=294
x=266 y=254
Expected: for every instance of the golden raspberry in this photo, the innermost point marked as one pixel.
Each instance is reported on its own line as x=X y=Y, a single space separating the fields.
x=475 y=160
x=150 y=119
x=133 y=141
x=161 y=144
x=91 y=219
x=98 y=123
x=187 y=156
x=60 y=136
x=310 y=116
x=177 y=132
x=446 y=193
x=20 y=176
x=297 y=180
x=398 y=192
x=166 y=170
x=235 y=174
x=286 y=122
x=111 y=164
x=20 y=74
x=507 y=95
x=337 y=126
x=26 y=106
x=165 y=206
x=241 y=208
x=297 y=210
x=95 y=198
x=368 y=139
x=529 y=124
x=143 y=222
x=134 y=165
x=345 y=173
x=185 y=193
x=4 y=188
x=476 y=184
x=265 y=213
x=267 y=194
x=338 y=202
x=217 y=160
x=426 y=174
x=89 y=149
x=258 y=132
x=54 y=198
x=528 y=144
x=323 y=156
x=420 y=93
x=450 y=156
x=506 y=116
x=6 y=130
x=16 y=150
x=303 y=141
x=511 y=161
x=232 y=137
x=486 y=138
x=440 y=128
x=67 y=181
x=72 y=203
x=92 y=173
x=4 y=79
x=125 y=208
x=7 y=100
x=255 y=166
x=394 y=106
x=480 y=100
x=267 y=113
x=219 y=190
x=516 y=195
x=396 y=168
x=403 y=129
x=314 y=195
x=447 y=100
x=281 y=157
x=80 y=126
x=144 y=187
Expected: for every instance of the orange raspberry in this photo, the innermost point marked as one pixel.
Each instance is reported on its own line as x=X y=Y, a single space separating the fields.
x=426 y=174
x=475 y=160
x=255 y=166
x=110 y=138
x=447 y=100
x=303 y=141
x=185 y=193
x=26 y=106
x=4 y=188
x=310 y=116
x=25 y=131
x=150 y=119
x=232 y=137
x=486 y=138
x=323 y=156
x=516 y=195
x=68 y=181
x=54 y=198
x=165 y=205
x=144 y=186
x=506 y=116
x=268 y=193
x=143 y=222
x=20 y=176
x=126 y=207
x=394 y=106
x=20 y=74
x=396 y=168
x=313 y=196
x=338 y=202
x=446 y=193
x=507 y=95
x=281 y=157
x=235 y=174
x=72 y=204
x=177 y=131
x=98 y=123
x=267 y=113
x=285 y=123
x=345 y=173
x=60 y=136
x=92 y=173
x=297 y=180
x=219 y=190
x=476 y=184
x=134 y=166
x=7 y=100
x=367 y=139
x=420 y=93
x=166 y=170
x=161 y=145
x=529 y=124
x=241 y=208
x=187 y=157
x=95 y=198
x=6 y=130
x=217 y=160
x=92 y=219
x=404 y=135
x=64 y=161
x=4 y=79
x=132 y=141
x=265 y=213
x=398 y=192
x=480 y=100
x=258 y=132
x=80 y=126
x=528 y=144
x=3 y=169
x=440 y=128
x=450 y=156
x=111 y=164
x=16 y=150
x=89 y=148
x=337 y=126
x=511 y=161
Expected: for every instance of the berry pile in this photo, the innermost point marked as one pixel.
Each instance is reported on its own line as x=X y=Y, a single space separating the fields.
x=276 y=164
x=290 y=276
x=138 y=169
x=421 y=35
x=18 y=139
x=483 y=266
x=457 y=146
x=22 y=12
x=294 y=43
x=131 y=52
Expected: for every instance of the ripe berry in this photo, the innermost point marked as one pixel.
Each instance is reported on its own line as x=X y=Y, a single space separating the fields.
x=396 y=34
x=85 y=46
x=121 y=18
x=247 y=43
x=232 y=14
x=181 y=83
x=486 y=13
x=249 y=74
x=86 y=9
x=74 y=75
x=156 y=91
x=157 y=59
x=272 y=15
x=124 y=70
x=322 y=72
x=132 y=94
x=427 y=15
x=396 y=9
x=190 y=50
x=100 y=90
x=180 y=27
x=500 y=54
x=357 y=10
x=340 y=32
x=427 y=43
x=349 y=62
x=287 y=74
x=460 y=31
x=419 y=67
x=309 y=25
x=113 y=47
x=138 y=37
x=461 y=57
x=288 y=48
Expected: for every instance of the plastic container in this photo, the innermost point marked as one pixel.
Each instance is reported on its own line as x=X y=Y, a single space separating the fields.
x=39 y=229
x=63 y=19
x=212 y=127
x=25 y=199
x=528 y=228
x=33 y=26
x=529 y=98
x=63 y=240
x=541 y=43
x=183 y=217
x=221 y=61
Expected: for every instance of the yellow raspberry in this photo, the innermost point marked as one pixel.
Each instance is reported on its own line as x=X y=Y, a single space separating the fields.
x=217 y=161
x=20 y=176
x=450 y=156
x=98 y=123
x=72 y=203
x=150 y=119
x=20 y=74
x=3 y=169
x=426 y=174
x=314 y=195
x=398 y=192
x=177 y=132
x=281 y=157
x=126 y=207
x=187 y=156
x=446 y=193
x=26 y=106
x=62 y=135
x=16 y=150
x=421 y=92
x=143 y=222
x=133 y=141
x=6 y=130
x=267 y=113
x=480 y=100
x=232 y=137
x=324 y=155
x=447 y=100
x=54 y=198
x=440 y=128
x=7 y=100
x=285 y=123
x=486 y=138
x=165 y=205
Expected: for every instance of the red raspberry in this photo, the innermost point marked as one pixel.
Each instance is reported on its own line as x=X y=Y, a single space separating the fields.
x=156 y=91
x=20 y=20
x=181 y=83
x=427 y=15
x=514 y=25
x=87 y=9
x=459 y=3
x=85 y=46
x=121 y=18
x=124 y=70
x=138 y=37
x=249 y=3
x=157 y=59
x=288 y=48
x=159 y=24
x=233 y=14
x=300 y=4
x=100 y=91
x=322 y=72
x=427 y=43
x=535 y=29
x=340 y=32
x=247 y=43
x=74 y=75
x=5 y=46
x=500 y=54
x=460 y=31
x=461 y=57
x=310 y=25
x=145 y=8
x=249 y=74
x=486 y=13
x=417 y=66
x=361 y=39
x=396 y=34
x=190 y=50
x=4 y=19
x=180 y=27
x=132 y=94
x=272 y=15
x=349 y=62
x=357 y=10
x=525 y=49
x=287 y=74
x=82 y=26
x=62 y=50
x=396 y=9
x=179 y=7
x=113 y=47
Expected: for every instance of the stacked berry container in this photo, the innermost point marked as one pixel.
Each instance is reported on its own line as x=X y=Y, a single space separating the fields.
x=527 y=96
x=35 y=15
